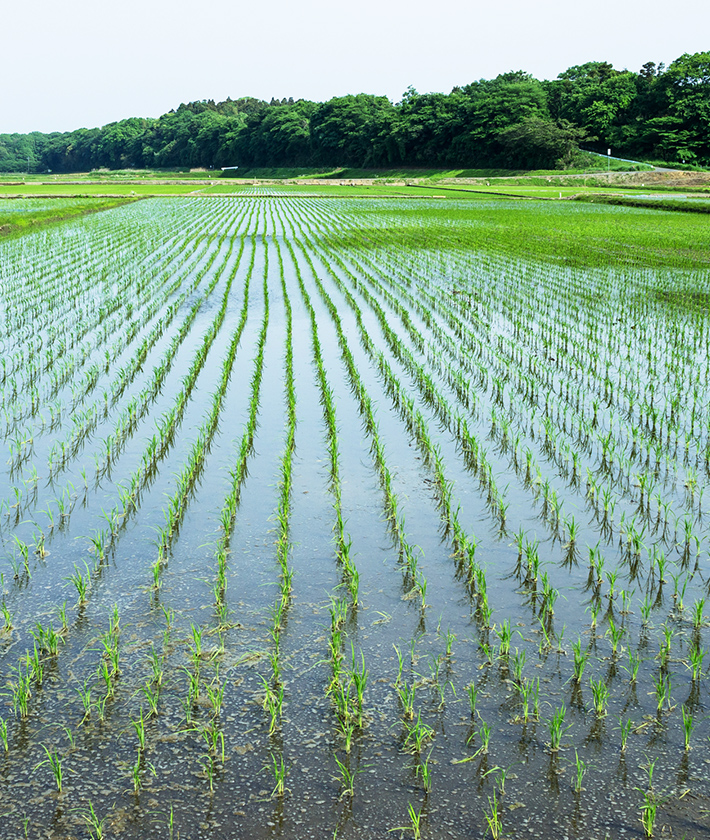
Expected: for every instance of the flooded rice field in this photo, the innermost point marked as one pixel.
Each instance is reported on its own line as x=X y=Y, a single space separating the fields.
x=326 y=518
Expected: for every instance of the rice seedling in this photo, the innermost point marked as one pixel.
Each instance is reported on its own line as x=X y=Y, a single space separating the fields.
x=625 y=726
x=689 y=725
x=346 y=776
x=54 y=762
x=406 y=697
x=580 y=772
x=557 y=728
x=415 y=822
x=417 y=734
x=493 y=817
x=95 y=826
x=279 y=772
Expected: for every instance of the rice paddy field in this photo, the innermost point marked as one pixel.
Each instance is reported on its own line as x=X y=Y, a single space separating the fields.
x=331 y=518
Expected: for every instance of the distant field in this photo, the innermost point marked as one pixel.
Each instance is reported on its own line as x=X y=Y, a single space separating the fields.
x=17 y=215
x=65 y=188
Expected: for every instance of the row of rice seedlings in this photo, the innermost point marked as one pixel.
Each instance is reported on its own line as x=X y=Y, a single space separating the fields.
x=61 y=452
x=393 y=511
x=96 y=321
x=343 y=542
x=177 y=503
x=431 y=455
x=283 y=545
x=82 y=579
x=551 y=592
x=145 y=285
x=571 y=541
x=346 y=687
x=213 y=760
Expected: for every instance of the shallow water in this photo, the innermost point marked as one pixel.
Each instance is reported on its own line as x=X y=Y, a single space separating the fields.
x=554 y=430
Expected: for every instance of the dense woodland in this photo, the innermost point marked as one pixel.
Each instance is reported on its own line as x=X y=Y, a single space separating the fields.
x=513 y=120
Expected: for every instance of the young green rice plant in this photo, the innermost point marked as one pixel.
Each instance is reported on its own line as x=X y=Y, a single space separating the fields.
x=35 y=665
x=633 y=665
x=484 y=733
x=85 y=694
x=346 y=777
x=417 y=735
x=688 y=725
x=347 y=730
x=696 y=656
x=616 y=634
x=3 y=735
x=698 y=617
x=648 y=812
x=81 y=582
x=151 y=690
x=406 y=697
x=279 y=772
x=208 y=769
x=54 y=762
x=663 y=691
x=557 y=728
x=493 y=818
x=156 y=664
x=505 y=634
x=472 y=692
x=47 y=638
x=21 y=691
x=415 y=822
x=519 y=659
x=400 y=665
x=580 y=772
x=600 y=696
x=450 y=639
x=63 y=618
x=580 y=660
x=423 y=770
x=625 y=727
x=7 y=618
x=138 y=725
x=95 y=826
x=215 y=694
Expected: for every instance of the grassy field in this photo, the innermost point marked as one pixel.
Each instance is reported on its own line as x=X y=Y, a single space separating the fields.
x=20 y=215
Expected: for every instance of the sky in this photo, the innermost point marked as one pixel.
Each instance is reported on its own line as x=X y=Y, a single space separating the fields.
x=83 y=63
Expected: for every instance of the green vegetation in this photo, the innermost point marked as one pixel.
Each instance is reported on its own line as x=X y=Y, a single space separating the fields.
x=19 y=216
x=512 y=122
x=323 y=511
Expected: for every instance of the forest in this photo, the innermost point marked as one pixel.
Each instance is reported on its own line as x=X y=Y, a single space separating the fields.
x=515 y=121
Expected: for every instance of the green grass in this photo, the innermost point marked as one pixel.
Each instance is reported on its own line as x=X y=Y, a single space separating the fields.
x=85 y=189
x=22 y=214
x=578 y=234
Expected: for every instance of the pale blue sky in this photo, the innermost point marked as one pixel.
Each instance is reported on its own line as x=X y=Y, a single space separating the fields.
x=85 y=63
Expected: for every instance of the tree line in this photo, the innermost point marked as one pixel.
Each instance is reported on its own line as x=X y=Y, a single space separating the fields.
x=513 y=121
